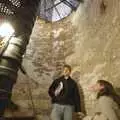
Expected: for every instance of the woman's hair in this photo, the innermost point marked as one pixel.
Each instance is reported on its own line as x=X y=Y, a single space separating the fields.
x=108 y=90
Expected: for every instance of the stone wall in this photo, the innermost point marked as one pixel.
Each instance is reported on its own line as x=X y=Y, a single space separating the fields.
x=43 y=61
x=96 y=53
x=88 y=40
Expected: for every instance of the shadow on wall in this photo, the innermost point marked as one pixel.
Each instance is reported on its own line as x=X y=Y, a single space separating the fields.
x=76 y=77
x=82 y=99
x=117 y=90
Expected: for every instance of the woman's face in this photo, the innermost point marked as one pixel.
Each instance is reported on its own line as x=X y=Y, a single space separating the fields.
x=97 y=87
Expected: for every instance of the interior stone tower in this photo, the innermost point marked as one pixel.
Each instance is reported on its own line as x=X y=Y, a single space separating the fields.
x=88 y=40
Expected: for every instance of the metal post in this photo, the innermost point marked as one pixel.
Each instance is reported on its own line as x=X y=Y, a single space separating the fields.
x=10 y=61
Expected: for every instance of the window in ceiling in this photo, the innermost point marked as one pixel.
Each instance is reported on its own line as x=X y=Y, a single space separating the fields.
x=55 y=10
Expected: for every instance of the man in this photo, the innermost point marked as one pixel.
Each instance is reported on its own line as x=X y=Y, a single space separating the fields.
x=65 y=96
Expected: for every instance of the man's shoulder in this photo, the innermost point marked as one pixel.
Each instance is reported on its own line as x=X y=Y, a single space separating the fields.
x=72 y=80
x=59 y=78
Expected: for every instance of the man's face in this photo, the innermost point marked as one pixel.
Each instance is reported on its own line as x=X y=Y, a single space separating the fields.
x=66 y=71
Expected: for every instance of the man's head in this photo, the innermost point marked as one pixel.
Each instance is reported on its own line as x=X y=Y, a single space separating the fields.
x=67 y=70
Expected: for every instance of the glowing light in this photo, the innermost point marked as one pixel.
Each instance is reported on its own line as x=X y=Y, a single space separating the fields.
x=6 y=30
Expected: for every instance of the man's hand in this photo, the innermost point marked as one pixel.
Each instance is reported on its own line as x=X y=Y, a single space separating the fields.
x=80 y=115
x=58 y=89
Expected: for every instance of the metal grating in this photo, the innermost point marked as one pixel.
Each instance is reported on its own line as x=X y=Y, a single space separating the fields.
x=20 y=13
x=16 y=3
x=8 y=7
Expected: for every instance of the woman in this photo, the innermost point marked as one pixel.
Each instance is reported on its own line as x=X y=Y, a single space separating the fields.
x=108 y=102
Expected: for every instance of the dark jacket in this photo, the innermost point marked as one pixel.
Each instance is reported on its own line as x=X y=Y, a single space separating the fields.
x=69 y=94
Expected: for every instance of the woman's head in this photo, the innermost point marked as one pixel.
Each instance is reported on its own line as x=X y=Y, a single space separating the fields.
x=105 y=88
x=101 y=85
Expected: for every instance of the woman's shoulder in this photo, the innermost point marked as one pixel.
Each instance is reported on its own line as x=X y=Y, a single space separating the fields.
x=105 y=98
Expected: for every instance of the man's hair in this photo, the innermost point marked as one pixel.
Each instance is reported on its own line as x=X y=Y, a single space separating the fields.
x=68 y=66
